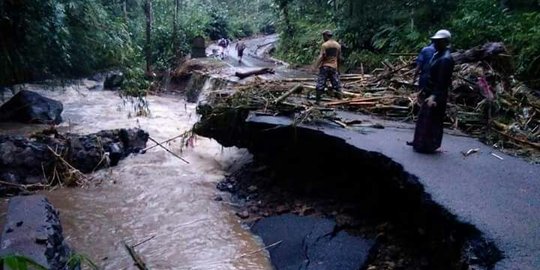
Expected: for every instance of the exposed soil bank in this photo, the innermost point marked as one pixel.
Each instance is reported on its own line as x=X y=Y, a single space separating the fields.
x=310 y=168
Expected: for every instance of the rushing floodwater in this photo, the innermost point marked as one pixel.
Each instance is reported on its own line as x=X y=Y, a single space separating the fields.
x=151 y=195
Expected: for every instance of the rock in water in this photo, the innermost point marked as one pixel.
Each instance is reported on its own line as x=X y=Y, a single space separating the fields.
x=21 y=158
x=312 y=244
x=25 y=160
x=113 y=80
x=86 y=151
x=30 y=107
x=33 y=230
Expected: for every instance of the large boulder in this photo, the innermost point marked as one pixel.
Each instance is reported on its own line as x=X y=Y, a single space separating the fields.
x=311 y=243
x=33 y=230
x=26 y=160
x=30 y=107
x=86 y=152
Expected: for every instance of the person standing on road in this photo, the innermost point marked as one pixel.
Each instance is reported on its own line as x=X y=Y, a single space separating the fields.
x=422 y=66
x=223 y=44
x=240 y=47
x=429 y=126
x=328 y=65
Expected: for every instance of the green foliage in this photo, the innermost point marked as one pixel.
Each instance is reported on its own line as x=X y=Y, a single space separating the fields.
x=305 y=46
x=301 y=26
x=15 y=262
x=134 y=82
x=477 y=22
x=59 y=38
x=371 y=28
x=367 y=59
x=78 y=259
x=43 y=39
x=219 y=24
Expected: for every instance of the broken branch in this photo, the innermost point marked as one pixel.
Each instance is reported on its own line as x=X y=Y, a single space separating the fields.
x=295 y=89
x=139 y=262
x=166 y=149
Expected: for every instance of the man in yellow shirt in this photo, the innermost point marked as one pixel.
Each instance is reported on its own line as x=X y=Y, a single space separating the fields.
x=328 y=64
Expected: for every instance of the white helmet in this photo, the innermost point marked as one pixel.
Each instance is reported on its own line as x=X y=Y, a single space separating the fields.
x=442 y=34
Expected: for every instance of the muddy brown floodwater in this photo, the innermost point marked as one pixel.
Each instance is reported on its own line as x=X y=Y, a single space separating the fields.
x=151 y=195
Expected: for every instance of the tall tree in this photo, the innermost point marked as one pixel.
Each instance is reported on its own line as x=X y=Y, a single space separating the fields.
x=176 y=41
x=148 y=12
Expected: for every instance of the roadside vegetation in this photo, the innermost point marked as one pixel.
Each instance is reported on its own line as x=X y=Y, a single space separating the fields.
x=44 y=39
x=372 y=29
x=73 y=38
x=16 y=262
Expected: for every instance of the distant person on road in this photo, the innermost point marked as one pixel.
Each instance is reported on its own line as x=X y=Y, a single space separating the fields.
x=223 y=43
x=429 y=126
x=328 y=65
x=422 y=66
x=240 y=47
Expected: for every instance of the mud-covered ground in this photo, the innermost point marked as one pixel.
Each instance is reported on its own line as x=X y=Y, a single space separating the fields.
x=256 y=193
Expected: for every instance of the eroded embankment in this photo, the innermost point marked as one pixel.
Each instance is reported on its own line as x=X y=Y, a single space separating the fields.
x=306 y=163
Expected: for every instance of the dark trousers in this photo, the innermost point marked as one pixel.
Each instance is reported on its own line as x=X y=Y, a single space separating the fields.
x=325 y=74
x=428 y=133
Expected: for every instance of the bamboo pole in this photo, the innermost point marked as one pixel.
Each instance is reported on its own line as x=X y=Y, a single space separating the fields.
x=139 y=262
x=296 y=88
x=166 y=149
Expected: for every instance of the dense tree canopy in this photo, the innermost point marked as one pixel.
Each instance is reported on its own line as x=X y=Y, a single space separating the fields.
x=66 y=38
x=373 y=28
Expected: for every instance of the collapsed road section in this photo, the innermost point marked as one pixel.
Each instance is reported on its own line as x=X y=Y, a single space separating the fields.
x=458 y=211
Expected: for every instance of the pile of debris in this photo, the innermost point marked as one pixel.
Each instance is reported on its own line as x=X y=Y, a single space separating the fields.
x=486 y=101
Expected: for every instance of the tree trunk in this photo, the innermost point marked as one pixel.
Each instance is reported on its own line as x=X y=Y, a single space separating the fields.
x=259 y=71
x=149 y=19
x=124 y=9
x=176 y=42
x=287 y=20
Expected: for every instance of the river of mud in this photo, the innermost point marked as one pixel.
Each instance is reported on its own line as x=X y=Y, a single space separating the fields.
x=152 y=195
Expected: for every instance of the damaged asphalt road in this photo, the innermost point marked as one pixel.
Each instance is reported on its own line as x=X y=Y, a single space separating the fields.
x=310 y=243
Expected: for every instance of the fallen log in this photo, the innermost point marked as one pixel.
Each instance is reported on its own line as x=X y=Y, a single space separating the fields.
x=243 y=75
x=403 y=54
x=525 y=142
x=391 y=107
x=479 y=53
x=356 y=100
x=350 y=94
x=389 y=74
x=364 y=103
x=353 y=77
x=295 y=89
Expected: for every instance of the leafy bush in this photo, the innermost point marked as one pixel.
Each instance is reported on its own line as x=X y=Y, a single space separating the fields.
x=482 y=21
x=369 y=60
x=374 y=27
x=68 y=38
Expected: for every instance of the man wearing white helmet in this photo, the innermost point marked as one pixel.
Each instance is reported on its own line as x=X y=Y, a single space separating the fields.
x=429 y=126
